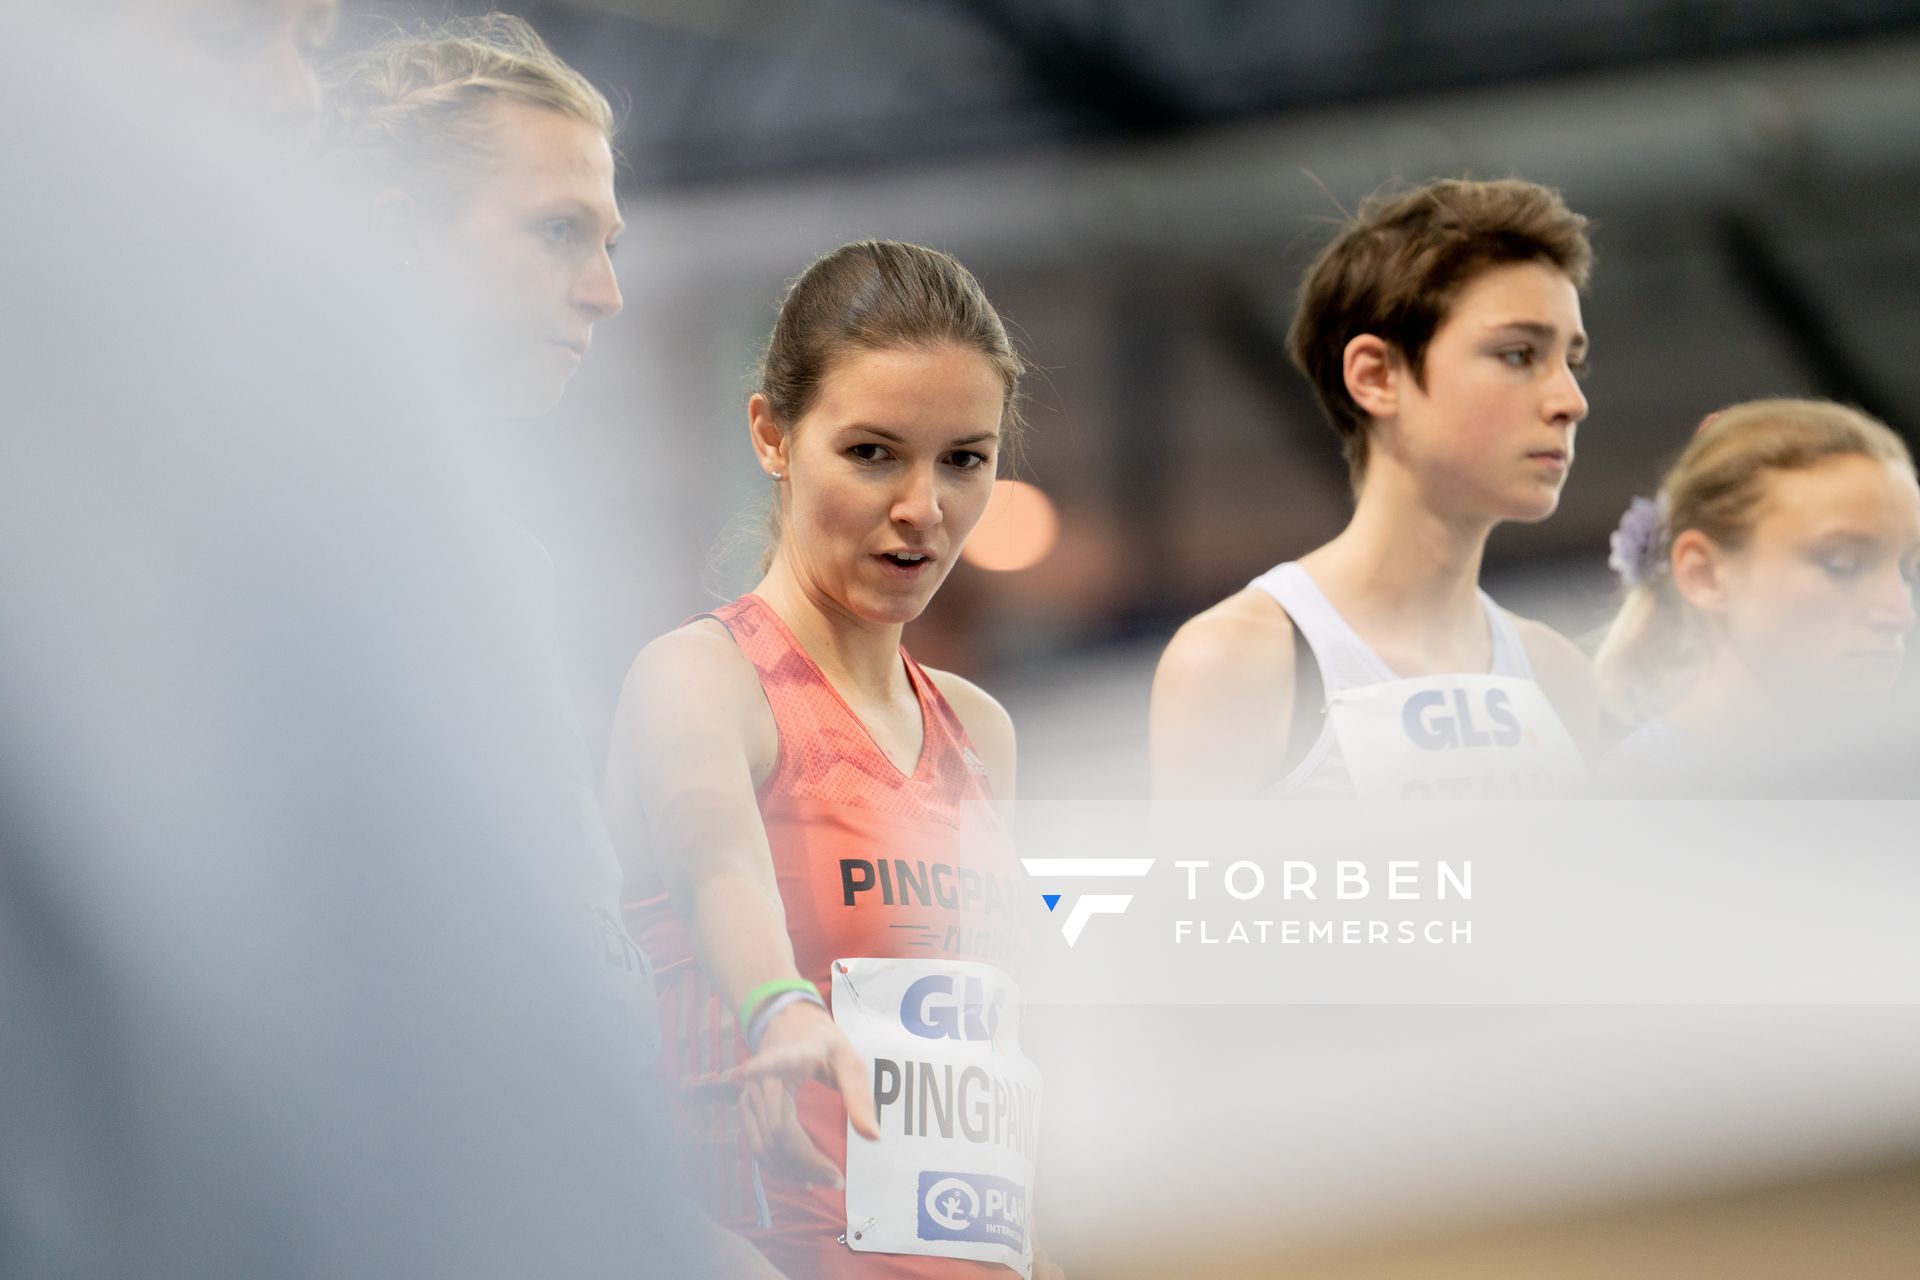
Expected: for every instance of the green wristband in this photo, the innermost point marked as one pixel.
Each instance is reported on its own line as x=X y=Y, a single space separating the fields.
x=759 y=994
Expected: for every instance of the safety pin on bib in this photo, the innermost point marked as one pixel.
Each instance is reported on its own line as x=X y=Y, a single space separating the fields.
x=841 y=967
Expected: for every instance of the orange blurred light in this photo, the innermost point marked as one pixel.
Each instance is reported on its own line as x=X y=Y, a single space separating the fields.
x=1018 y=530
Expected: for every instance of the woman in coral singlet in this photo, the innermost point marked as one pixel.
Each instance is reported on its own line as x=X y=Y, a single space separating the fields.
x=816 y=826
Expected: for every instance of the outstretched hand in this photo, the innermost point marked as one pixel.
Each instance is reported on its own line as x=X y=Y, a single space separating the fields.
x=801 y=1043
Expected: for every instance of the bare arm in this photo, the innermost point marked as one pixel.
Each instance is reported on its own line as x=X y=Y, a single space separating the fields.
x=1222 y=700
x=692 y=731
x=1565 y=675
x=692 y=735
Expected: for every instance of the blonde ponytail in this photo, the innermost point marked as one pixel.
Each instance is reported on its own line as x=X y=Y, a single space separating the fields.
x=1654 y=647
x=1651 y=648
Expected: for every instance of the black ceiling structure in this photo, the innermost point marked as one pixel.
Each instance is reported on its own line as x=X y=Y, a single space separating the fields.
x=731 y=89
x=1140 y=183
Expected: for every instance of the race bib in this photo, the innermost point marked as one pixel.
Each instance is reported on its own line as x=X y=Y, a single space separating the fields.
x=1454 y=738
x=958 y=1106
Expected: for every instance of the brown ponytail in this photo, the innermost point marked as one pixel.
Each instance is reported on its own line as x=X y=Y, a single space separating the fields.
x=878 y=295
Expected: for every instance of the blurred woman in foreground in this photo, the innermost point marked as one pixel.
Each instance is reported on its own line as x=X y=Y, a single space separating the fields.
x=489 y=163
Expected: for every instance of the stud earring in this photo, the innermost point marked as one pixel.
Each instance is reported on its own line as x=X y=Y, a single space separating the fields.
x=779 y=475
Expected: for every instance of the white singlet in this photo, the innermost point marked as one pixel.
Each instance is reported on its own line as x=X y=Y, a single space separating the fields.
x=1386 y=737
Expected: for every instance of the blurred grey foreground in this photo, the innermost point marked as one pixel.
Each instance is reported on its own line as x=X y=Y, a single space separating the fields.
x=293 y=971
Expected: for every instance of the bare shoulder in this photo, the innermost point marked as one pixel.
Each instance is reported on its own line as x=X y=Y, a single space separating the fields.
x=989 y=728
x=1218 y=723
x=987 y=723
x=979 y=711
x=699 y=657
x=693 y=739
x=1549 y=651
x=694 y=682
x=1246 y=637
x=1564 y=672
x=704 y=641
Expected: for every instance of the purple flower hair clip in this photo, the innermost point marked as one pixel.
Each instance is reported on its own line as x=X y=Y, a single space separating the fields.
x=1638 y=546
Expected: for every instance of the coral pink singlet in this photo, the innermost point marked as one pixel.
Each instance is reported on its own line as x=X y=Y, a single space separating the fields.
x=870 y=862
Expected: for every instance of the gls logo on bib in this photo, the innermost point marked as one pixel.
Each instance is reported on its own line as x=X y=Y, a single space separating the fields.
x=974 y=1207
x=933 y=1010
x=1430 y=725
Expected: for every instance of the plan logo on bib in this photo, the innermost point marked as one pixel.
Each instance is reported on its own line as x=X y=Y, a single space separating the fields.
x=1087 y=905
x=973 y=1207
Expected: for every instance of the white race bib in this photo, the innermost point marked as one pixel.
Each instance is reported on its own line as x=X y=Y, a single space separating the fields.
x=1454 y=738
x=958 y=1105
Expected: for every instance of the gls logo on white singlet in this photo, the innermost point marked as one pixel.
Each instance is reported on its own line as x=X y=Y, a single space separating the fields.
x=1454 y=738
x=1438 y=723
